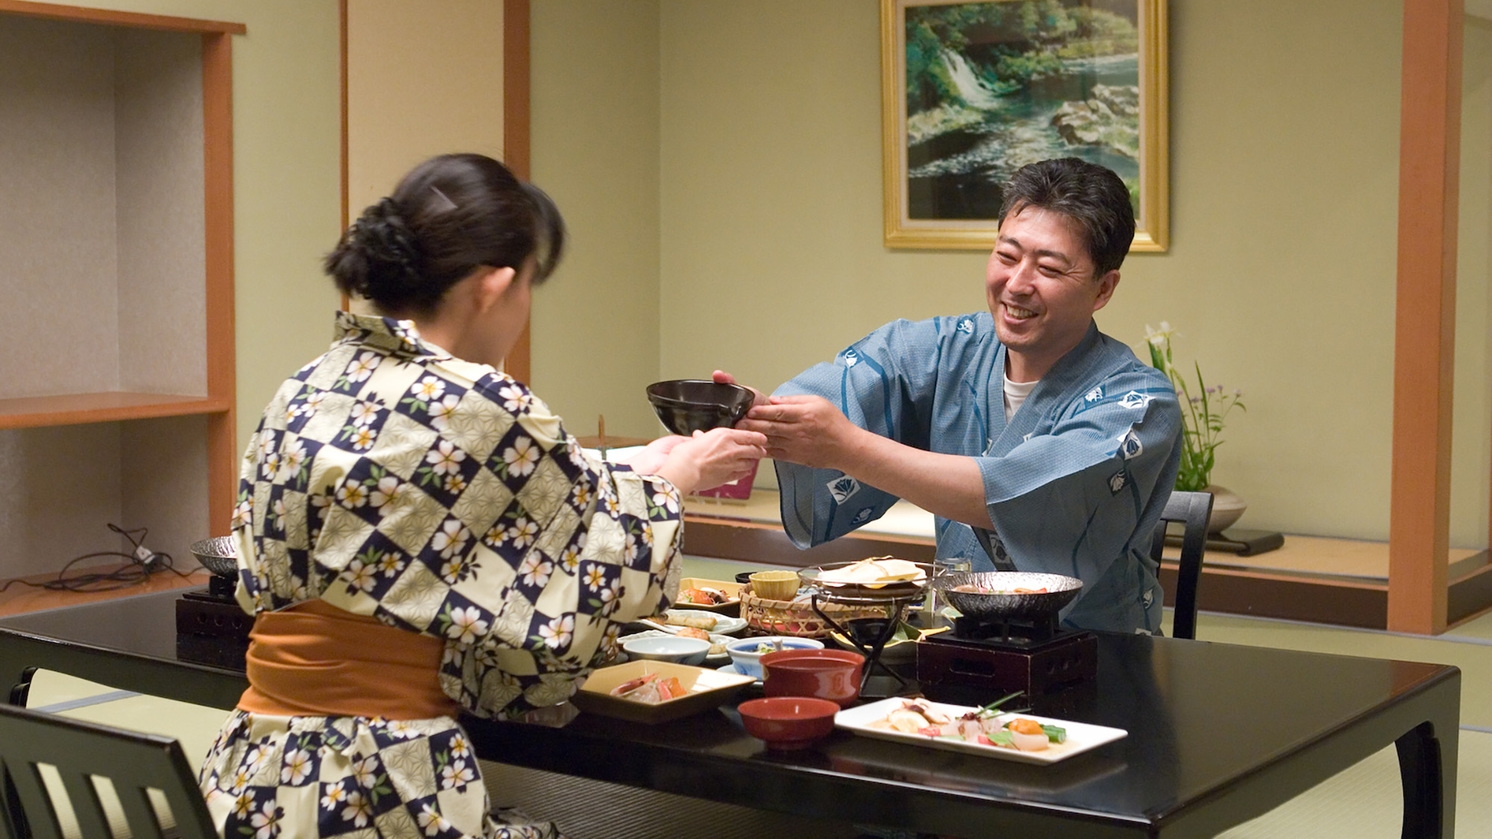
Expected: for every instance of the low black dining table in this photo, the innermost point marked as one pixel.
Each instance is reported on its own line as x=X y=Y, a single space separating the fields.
x=1218 y=734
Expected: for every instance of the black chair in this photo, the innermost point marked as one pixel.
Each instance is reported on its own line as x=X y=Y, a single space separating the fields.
x=1192 y=510
x=83 y=753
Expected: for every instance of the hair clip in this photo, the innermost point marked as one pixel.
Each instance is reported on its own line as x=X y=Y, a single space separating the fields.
x=446 y=203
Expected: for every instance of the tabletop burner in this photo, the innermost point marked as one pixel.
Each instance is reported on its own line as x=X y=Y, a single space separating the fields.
x=211 y=628
x=1014 y=633
x=988 y=659
x=869 y=635
x=221 y=587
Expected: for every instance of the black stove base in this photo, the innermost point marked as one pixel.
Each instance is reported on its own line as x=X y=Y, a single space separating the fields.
x=212 y=630
x=948 y=666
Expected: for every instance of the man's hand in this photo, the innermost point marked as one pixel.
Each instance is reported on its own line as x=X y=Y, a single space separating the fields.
x=723 y=378
x=810 y=431
x=806 y=430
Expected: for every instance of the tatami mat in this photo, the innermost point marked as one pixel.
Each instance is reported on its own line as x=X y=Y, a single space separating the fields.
x=194 y=725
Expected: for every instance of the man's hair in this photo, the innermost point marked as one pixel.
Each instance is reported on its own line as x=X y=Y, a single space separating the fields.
x=1089 y=194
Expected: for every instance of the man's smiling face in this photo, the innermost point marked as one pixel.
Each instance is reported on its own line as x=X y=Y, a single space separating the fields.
x=1041 y=290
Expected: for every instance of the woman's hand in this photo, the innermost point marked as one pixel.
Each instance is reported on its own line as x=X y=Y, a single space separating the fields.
x=711 y=458
x=655 y=454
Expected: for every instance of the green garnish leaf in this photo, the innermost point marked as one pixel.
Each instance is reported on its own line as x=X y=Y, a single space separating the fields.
x=993 y=706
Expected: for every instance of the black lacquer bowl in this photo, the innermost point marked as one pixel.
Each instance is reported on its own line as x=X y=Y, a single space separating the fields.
x=689 y=405
x=1006 y=604
x=218 y=555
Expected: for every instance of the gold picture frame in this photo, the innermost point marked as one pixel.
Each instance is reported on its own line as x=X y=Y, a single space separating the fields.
x=977 y=118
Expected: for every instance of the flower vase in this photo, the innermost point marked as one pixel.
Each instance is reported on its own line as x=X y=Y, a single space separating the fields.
x=1227 y=509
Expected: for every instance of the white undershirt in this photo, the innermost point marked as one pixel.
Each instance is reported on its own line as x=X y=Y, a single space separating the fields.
x=1015 y=394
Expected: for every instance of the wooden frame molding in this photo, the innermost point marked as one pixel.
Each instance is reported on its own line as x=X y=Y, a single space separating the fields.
x=1425 y=321
x=109 y=17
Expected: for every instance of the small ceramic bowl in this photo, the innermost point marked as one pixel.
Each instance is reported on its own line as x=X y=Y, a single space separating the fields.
x=788 y=722
x=824 y=674
x=671 y=648
x=746 y=653
x=775 y=585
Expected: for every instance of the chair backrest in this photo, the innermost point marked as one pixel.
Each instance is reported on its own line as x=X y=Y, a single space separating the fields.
x=1192 y=509
x=82 y=753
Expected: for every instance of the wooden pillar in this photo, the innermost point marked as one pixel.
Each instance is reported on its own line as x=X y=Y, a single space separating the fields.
x=516 y=133
x=217 y=165
x=1425 y=320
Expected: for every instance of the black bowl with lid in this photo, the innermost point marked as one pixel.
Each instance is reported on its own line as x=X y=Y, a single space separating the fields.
x=688 y=405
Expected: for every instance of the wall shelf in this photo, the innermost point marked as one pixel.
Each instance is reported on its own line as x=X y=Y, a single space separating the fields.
x=117 y=392
x=113 y=406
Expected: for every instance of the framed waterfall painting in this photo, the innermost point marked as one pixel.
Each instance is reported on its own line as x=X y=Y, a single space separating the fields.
x=972 y=91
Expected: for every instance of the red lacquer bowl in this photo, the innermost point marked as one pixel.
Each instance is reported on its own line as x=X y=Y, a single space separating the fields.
x=823 y=674
x=788 y=722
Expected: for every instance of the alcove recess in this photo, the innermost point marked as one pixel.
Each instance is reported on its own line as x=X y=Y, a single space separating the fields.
x=116 y=279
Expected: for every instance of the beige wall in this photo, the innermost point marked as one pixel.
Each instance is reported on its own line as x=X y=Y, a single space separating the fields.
x=1280 y=278
x=422 y=79
x=596 y=323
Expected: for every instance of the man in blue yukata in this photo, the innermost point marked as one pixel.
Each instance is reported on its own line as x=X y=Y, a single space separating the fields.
x=1025 y=426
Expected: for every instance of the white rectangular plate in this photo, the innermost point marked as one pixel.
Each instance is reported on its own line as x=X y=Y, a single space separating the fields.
x=1080 y=736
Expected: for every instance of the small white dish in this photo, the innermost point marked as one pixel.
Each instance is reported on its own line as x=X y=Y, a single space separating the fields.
x=667 y=648
x=717 y=624
x=711 y=659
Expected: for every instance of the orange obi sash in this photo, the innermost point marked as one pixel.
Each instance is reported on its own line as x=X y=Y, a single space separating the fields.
x=313 y=659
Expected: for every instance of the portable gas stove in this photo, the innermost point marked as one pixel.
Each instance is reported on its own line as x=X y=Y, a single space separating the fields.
x=869 y=634
x=211 y=628
x=983 y=659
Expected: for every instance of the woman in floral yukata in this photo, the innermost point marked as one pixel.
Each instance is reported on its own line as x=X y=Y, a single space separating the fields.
x=418 y=535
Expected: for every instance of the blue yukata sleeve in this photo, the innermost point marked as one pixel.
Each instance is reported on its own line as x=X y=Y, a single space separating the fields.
x=882 y=383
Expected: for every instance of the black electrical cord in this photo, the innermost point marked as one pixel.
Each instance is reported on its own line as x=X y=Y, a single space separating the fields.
x=142 y=564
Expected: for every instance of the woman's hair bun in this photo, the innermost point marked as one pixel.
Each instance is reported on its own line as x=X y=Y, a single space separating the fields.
x=379 y=256
x=449 y=217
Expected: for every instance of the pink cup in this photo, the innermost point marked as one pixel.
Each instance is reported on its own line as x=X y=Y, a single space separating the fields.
x=824 y=674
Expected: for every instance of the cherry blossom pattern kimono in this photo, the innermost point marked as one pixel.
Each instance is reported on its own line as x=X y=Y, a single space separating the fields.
x=441 y=497
x=1075 y=481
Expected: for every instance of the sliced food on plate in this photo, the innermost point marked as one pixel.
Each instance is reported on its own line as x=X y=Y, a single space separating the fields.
x=1001 y=731
x=973 y=730
x=650 y=688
